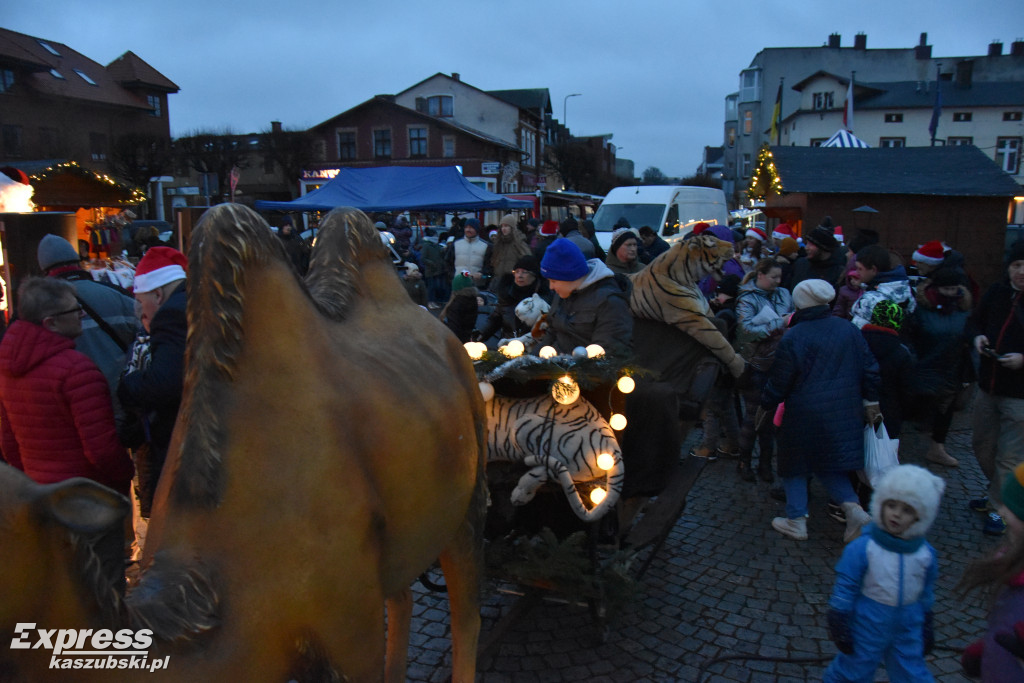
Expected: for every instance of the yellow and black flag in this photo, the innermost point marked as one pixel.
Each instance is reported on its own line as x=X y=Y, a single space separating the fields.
x=777 y=117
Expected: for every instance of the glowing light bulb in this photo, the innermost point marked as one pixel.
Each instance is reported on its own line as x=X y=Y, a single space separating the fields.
x=547 y=352
x=595 y=351
x=597 y=495
x=606 y=461
x=565 y=390
x=476 y=350
x=626 y=384
x=513 y=349
x=487 y=391
x=617 y=422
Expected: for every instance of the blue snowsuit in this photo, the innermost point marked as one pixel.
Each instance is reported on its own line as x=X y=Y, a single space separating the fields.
x=887 y=584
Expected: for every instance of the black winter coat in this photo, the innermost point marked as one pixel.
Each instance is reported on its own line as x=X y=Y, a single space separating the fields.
x=1000 y=317
x=896 y=367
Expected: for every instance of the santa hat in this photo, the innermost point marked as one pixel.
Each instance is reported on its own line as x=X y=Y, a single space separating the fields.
x=159 y=266
x=930 y=253
x=838 y=232
x=782 y=231
x=699 y=228
x=757 y=233
x=549 y=228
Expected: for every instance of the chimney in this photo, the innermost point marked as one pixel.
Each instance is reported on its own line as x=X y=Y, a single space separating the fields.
x=860 y=41
x=456 y=76
x=1017 y=48
x=995 y=48
x=964 y=73
x=923 y=49
x=833 y=40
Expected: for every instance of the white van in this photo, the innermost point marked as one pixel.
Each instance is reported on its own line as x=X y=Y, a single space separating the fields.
x=672 y=210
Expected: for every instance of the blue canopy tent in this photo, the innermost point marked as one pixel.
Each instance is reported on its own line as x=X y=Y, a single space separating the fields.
x=398 y=188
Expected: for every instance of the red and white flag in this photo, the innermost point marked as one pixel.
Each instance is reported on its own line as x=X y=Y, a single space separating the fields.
x=848 y=111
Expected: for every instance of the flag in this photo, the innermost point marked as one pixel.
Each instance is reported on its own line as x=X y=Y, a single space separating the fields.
x=936 y=112
x=848 y=111
x=777 y=116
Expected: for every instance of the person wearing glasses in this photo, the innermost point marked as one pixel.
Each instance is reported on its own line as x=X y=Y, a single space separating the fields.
x=56 y=419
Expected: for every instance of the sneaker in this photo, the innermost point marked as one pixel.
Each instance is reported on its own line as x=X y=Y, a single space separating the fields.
x=979 y=505
x=794 y=528
x=836 y=512
x=703 y=452
x=994 y=525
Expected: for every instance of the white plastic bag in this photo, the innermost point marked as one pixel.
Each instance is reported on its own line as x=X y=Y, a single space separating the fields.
x=880 y=453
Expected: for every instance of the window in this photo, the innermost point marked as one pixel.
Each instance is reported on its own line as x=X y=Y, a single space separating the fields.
x=417 y=142
x=1012 y=116
x=84 y=76
x=1008 y=154
x=49 y=141
x=894 y=118
x=823 y=100
x=49 y=48
x=892 y=142
x=748 y=122
x=98 y=146
x=436 y=105
x=448 y=146
x=347 y=145
x=750 y=86
x=56 y=74
x=959 y=141
x=746 y=165
x=730 y=136
x=959 y=116
x=12 y=141
x=818 y=142
x=155 y=105
x=382 y=143
x=6 y=80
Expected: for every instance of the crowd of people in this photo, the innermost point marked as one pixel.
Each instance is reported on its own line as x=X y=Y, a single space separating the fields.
x=836 y=339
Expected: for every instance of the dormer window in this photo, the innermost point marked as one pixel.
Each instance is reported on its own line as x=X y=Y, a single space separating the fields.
x=85 y=77
x=437 y=105
x=56 y=74
x=49 y=48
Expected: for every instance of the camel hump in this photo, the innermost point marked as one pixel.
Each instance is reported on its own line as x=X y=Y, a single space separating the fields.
x=345 y=243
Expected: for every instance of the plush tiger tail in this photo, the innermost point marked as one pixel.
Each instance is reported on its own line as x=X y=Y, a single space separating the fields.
x=557 y=471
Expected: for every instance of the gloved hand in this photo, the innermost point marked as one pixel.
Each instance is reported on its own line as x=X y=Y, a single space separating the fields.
x=928 y=632
x=1013 y=642
x=760 y=419
x=840 y=630
x=970 y=660
x=872 y=413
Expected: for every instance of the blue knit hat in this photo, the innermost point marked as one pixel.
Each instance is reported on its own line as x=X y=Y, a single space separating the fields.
x=472 y=223
x=563 y=261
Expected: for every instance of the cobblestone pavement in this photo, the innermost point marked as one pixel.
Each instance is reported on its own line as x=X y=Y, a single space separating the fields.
x=724 y=585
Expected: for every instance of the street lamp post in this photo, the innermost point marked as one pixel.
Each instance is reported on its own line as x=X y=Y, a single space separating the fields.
x=565 y=101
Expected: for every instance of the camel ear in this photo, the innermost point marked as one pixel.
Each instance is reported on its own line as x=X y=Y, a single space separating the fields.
x=83 y=506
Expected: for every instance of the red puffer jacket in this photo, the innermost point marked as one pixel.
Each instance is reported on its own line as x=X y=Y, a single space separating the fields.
x=56 y=419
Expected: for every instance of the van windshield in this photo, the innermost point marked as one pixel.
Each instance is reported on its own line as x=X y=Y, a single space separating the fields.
x=638 y=215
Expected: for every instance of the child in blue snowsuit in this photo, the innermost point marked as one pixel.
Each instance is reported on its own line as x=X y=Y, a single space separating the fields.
x=881 y=605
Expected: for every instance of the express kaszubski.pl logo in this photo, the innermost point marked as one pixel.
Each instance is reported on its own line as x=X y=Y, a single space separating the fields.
x=85 y=648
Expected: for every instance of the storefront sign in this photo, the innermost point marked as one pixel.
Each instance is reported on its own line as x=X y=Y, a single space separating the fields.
x=490 y=167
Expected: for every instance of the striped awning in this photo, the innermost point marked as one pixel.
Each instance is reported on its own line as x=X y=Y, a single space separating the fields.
x=844 y=138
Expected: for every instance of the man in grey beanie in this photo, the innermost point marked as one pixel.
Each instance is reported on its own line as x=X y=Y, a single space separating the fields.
x=109 y=325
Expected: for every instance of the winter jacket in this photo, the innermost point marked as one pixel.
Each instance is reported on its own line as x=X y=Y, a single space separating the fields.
x=824 y=371
x=503 y=319
x=460 y=314
x=471 y=256
x=896 y=367
x=431 y=257
x=56 y=418
x=585 y=245
x=1000 y=317
x=617 y=266
x=831 y=270
x=506 y=250
x=892 y=285
x=759 y=314
x=654 y=250
x=596 y=313
x=938 y=332
x=846 y=297
x=154 y=393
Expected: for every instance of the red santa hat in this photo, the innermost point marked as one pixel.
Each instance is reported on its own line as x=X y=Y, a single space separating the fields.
x=930 y=253
x=782 y=231
x=158 y=267
x=757 y=233
x=549 y=228
x=838 y=232
x=699 y=228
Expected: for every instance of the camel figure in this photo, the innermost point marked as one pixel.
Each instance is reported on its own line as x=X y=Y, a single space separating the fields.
x=329 y=447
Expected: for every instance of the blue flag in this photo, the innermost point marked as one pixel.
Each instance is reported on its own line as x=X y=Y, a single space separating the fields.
x=936 y=113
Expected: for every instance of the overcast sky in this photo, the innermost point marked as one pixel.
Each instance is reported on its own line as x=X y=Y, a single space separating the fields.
x=652 y=73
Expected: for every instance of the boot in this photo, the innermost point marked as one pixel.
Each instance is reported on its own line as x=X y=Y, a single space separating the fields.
x=938 y=455
x=794 y=528
x=856 y=518
x=764 y=470
x=745 y=470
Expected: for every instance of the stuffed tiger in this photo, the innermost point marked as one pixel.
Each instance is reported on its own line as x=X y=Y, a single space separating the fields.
x=666 y=290
x=526 y=429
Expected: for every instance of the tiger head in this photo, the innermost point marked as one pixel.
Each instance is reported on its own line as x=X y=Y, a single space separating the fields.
x=690 y=261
